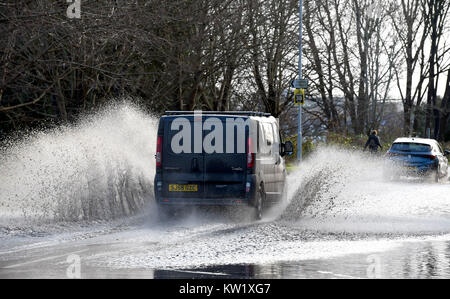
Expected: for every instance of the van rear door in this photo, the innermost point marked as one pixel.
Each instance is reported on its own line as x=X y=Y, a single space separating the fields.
x=225 y=170
x=206 y=174
x=182 y=172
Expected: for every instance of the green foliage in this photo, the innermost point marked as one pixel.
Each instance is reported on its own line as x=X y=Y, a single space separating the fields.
x=357 y=141
x=308 y=147
x=348 y=141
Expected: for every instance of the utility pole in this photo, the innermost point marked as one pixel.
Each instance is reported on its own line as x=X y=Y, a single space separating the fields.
x=300 y=45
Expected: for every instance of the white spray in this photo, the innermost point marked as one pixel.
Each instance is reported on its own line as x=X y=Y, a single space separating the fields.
x=100 y=168
x=347 y=191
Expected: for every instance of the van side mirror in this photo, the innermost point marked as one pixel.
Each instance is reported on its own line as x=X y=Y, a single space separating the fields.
x=446 y=152
x=287 y=148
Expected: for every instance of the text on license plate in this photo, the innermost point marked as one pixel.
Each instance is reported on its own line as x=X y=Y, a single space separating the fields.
x=183 y=188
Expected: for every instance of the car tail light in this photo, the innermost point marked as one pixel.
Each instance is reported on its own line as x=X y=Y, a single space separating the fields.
x=391 y=154
x=158 y=155
x=250 y=154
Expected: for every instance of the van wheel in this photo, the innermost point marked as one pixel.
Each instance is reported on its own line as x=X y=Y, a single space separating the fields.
x=258 y=205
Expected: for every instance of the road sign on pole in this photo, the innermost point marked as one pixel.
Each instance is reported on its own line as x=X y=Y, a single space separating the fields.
x=299 y=97
x=299 y=83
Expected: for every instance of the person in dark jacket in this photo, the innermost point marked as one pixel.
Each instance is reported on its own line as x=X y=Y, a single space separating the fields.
x=373 y=142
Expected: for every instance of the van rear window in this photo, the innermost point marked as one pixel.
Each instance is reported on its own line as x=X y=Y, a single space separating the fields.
x=410 y=147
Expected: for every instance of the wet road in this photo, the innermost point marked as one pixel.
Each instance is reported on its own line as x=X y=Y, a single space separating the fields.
x=140 y=253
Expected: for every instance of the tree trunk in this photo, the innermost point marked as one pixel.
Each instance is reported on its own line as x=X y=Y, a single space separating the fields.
x=445 y=109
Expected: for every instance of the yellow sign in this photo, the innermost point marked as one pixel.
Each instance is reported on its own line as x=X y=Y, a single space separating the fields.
x=299 y=96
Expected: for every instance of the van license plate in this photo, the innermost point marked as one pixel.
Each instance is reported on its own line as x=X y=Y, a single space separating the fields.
x=183 y=188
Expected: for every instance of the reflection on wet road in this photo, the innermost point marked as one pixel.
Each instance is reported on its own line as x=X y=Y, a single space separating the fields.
x=426 y=259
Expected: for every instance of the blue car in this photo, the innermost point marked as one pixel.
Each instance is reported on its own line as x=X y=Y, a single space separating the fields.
x=416 y=157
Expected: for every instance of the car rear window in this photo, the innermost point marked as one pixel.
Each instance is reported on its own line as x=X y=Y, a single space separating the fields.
x=410 y=147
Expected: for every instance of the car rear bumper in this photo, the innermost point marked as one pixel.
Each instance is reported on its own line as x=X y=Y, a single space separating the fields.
x=411 y=169
x=419 y=171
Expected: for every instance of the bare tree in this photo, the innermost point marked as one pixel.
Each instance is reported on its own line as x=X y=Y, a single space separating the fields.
x=436 y=12
x=411 y=29
x=273 y=44
x=445 y=109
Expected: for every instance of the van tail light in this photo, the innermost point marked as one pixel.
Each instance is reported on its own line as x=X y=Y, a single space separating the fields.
x=158 y=155
x=250 y=153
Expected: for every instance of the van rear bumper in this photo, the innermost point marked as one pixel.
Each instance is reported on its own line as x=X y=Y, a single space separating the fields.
x=203 y=201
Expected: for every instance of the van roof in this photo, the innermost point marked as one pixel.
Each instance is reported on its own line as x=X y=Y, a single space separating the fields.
x=235 y=113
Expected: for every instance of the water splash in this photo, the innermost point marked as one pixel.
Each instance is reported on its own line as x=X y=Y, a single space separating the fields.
x=100 y=168
x=346 y=191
